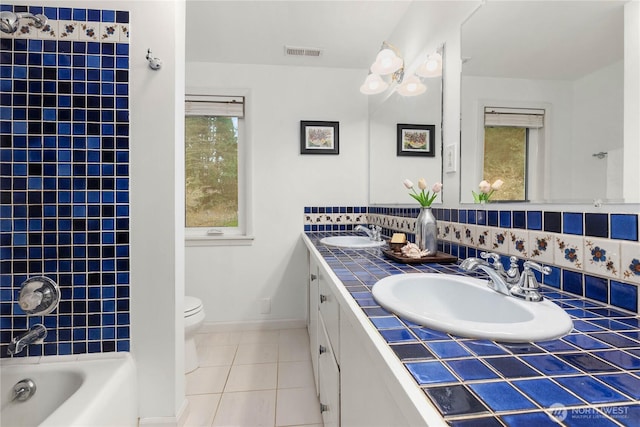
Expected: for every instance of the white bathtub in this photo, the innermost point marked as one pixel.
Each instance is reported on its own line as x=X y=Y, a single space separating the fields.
x=80 y=390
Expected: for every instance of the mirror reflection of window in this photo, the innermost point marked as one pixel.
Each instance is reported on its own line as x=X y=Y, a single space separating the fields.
x=510 y=135
x=505 y=158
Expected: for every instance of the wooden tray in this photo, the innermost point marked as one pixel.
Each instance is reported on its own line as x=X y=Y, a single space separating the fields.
x=439 y=257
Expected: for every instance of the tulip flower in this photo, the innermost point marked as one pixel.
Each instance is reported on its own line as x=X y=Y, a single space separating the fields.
x=484 y=187
x=425 y=198
x=486 y=190
x=497 y=184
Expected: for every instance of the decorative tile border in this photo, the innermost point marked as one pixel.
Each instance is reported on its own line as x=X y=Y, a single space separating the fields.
x=334 y=218
x=114 y=27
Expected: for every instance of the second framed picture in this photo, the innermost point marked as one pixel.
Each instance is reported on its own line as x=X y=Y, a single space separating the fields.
x=319 y=137
x=416 y=140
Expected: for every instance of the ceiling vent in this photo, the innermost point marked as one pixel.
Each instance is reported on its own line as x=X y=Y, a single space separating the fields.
x=302 y=51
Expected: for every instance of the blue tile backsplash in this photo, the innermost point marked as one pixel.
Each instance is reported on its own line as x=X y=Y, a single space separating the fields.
x=582 y=260
x=64 y=177
x=589 y=377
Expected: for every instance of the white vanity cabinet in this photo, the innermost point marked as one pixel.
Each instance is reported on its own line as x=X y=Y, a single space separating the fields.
x=324 y=342
x=358 y=377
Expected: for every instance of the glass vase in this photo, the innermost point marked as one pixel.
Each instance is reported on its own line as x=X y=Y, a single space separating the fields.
x=427 y=231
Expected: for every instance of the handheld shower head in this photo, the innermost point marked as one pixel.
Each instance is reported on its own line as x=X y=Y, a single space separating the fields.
x=9 y=20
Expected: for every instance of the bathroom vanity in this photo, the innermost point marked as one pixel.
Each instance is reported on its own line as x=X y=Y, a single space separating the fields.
x=349 y=356
x=374 y=368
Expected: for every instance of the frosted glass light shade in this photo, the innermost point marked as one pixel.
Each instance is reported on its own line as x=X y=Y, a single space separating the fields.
x=373 y=84
x=432 y=67
x=411 y=86
x=387 y=62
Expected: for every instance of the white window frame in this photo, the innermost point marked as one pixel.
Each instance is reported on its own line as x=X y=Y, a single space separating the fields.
x=242 y=235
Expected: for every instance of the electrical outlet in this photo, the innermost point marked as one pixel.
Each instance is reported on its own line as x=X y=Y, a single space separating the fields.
x=265 y=306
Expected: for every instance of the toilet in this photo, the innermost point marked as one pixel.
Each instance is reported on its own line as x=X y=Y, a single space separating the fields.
x=193 y=319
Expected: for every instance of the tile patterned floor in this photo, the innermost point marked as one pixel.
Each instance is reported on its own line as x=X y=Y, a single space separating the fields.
x=253 y=378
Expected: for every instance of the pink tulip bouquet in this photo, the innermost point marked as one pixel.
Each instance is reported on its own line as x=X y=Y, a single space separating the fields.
x=425 y=198
x=486 y=190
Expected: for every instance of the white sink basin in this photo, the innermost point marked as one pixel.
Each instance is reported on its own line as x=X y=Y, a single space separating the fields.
x=351 y=242
x=466 y=307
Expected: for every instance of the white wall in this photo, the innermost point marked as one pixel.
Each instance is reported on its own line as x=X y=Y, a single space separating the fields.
x=156 y=170
x=231 y=281
x=632 y=99
x=598 y=127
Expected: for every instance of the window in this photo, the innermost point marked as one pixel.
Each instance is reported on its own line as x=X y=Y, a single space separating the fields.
x=214 y=185
x=507 y=136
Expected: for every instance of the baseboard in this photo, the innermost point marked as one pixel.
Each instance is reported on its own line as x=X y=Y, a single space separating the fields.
x=183 y=413
x=177 y=421
x=252 y=325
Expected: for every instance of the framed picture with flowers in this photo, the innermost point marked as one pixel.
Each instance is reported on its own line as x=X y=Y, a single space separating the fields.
x=319 y=137
x=416 y=140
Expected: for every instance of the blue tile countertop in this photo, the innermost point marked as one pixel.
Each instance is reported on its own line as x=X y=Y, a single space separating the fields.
x=589 y=377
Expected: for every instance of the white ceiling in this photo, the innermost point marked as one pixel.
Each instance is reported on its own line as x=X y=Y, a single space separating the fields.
x=543 y=39
x=255 y=32
x=528 y=39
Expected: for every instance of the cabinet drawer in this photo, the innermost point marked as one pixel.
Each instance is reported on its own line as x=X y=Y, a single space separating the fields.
x=329 y=381
x=312 y=324
x=330 y=313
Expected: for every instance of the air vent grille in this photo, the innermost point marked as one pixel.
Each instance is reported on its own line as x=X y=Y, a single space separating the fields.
x=302 y=51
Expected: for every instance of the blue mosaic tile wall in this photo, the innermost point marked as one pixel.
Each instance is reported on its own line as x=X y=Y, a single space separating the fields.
x=64 y=177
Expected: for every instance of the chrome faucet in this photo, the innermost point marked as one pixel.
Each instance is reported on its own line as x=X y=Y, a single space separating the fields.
x=527 y=287
x=374 y=232
x=512 y=275
x=509 y=282
x=36 y=334
x=497 y=282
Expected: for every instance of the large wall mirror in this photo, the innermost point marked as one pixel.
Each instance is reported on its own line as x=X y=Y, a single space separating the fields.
x=387 y=167
x=563 y=61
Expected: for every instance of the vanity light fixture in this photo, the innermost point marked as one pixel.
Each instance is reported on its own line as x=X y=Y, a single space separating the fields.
x=373 y=84
x=432 y=67
x=411 y=86
x=388 y=62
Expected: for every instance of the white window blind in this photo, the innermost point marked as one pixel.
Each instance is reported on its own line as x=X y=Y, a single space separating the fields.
x=209 y=105
x=514 y=117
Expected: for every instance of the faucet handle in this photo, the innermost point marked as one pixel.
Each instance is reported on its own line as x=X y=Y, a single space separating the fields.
x=530 y=265
x=528 y=285
x=495 y=257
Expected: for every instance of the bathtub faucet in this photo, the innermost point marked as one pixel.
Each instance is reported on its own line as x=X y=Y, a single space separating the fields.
x=36 y=334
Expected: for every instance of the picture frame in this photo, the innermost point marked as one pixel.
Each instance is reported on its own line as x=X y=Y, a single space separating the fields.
x=416 y=140
x=319 y=137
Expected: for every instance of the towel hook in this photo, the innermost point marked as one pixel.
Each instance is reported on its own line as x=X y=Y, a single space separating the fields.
x=154 y=63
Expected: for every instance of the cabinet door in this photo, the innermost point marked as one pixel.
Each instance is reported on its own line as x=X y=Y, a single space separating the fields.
x=330 y=311
x=312 y=324
x=365 y=399
x=329 y=375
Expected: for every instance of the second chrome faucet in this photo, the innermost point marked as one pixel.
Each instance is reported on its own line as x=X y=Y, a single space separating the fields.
x=509 y=282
